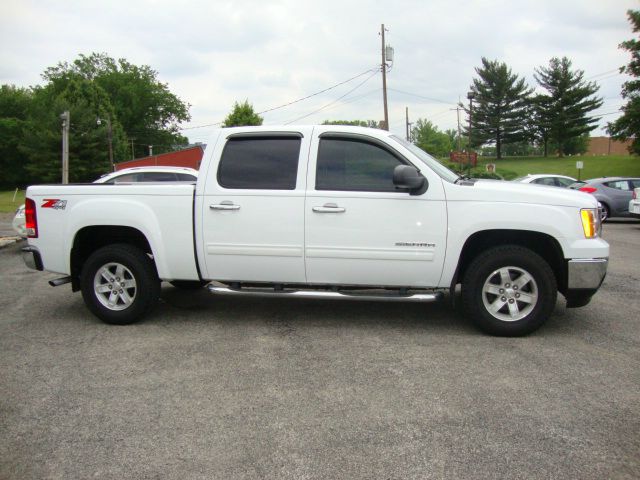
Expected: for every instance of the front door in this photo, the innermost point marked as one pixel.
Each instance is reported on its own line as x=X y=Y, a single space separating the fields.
x=360 y=230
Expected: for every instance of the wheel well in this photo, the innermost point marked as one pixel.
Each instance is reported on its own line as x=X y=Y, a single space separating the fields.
x=544 y=245
x=90 y=239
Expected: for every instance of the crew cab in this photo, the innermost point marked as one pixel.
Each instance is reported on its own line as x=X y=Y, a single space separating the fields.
x=322 y=212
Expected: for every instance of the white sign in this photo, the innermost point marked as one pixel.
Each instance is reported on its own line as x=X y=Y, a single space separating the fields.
x=579 y=165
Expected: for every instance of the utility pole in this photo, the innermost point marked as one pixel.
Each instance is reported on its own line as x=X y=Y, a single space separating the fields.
x=133 y=155
x=384 y=81
x=407 y=121
x=109 y=140
x=457 y=109
x=151 y=150
x=470 y=96
x=66 y=120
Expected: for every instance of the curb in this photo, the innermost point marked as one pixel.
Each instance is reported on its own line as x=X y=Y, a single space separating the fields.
x=4 y=241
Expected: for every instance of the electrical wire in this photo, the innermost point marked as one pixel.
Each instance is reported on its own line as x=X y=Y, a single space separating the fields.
x=375 y=70
x=421 y=96
x=336 y=100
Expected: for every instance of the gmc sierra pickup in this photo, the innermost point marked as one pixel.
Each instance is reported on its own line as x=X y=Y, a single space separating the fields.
x=322 y=212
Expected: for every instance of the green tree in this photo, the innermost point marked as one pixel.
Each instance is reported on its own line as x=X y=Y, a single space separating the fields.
x=499 y=106
x=14 y=114
x=429 y=138
x=88 y=142
x=628 y=125
x=567 y=103
x=147 y=110
x=355 y=123
x=241 y=115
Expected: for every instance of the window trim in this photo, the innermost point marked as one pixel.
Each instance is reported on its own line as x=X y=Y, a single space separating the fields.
x=258 y=136
x=359 y=138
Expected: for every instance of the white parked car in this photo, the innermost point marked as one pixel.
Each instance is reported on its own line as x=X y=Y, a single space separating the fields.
x=634 y=203
x=547 y=179
x=126 y=175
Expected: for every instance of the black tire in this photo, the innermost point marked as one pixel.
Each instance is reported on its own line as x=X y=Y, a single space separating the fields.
x=136 y=292
x=516 y=282
x=188 y=284
x=606 y=212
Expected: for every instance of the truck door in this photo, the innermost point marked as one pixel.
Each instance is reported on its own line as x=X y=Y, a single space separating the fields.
x=252 y=207
x=360 y=230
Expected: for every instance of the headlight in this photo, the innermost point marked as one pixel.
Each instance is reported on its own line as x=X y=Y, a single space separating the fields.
x=590 y=222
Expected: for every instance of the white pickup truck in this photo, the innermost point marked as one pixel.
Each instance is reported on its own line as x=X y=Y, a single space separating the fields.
x=322 y=212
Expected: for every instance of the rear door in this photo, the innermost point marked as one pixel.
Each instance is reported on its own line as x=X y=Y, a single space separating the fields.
x=252 y=209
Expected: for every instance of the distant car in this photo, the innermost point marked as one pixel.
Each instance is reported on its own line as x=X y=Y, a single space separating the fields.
x=547 y=179
x=126 y=175
x=634 y=203
x=614 y=193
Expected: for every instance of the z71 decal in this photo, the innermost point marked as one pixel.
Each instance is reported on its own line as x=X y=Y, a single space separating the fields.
x=54 y=203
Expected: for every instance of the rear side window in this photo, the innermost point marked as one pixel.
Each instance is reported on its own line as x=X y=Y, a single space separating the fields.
x=158 y=177
x=185 y=177
x=261 y=163
x=354 y=165
x=618 y=185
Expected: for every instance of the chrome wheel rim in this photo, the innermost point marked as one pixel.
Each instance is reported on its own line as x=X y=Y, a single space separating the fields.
x=509 y=294
x=115 y=286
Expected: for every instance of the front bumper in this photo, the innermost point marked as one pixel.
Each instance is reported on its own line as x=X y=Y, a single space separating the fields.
x=32 y=259
x=586 y=273
x=584 y=277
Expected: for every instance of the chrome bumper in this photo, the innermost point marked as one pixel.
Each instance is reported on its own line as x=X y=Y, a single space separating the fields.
x=586 y=273
x=32 y=259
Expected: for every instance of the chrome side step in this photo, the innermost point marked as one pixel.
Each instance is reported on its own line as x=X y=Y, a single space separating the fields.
x=417 y=297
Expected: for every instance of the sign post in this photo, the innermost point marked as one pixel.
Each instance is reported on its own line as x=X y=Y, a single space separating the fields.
x=579 y=166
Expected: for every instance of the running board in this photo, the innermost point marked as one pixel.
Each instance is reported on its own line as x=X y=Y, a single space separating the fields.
x=417 y=297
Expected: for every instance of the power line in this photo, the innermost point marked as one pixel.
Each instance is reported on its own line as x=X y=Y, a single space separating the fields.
x=422 y=96
x=375 y=70
x=336 y=100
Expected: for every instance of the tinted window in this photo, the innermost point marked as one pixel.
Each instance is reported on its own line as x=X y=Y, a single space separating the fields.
x=185 y=177
x=127 y=178
x=635 y=183
x=158 y=177
x=618 y=185
x=346 y=164
x=260 y=163
x=545 y=181
x=564 y=182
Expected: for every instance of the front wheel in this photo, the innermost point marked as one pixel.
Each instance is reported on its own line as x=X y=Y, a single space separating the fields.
x=509 y=291
x=119 y=284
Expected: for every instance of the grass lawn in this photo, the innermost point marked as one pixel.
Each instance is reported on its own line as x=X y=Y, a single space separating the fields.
x=603 y=166
x=7 y=204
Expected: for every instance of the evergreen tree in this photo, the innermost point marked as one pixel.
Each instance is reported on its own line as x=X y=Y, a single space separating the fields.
x=564 y=108
x=241 y=115
x=628 y=125
x=499 y=106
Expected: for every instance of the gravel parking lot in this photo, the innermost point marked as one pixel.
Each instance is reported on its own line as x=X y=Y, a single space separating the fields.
x=266 y=388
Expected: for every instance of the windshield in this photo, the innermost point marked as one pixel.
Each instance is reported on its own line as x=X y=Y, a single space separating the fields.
x=435 y=165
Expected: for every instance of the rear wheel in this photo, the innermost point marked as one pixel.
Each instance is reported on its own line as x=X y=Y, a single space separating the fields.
x=604 y=212
x=119 y=284
x=509 y=291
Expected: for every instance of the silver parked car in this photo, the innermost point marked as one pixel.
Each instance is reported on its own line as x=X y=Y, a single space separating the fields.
x=614 y=193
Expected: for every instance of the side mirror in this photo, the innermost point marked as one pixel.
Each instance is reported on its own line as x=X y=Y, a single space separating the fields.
x=409 y=178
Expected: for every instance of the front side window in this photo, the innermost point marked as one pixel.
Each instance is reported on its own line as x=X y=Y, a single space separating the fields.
x=355 y=165
x=264 y=163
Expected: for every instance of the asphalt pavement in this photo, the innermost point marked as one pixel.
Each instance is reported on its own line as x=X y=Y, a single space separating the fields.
x=230 y=388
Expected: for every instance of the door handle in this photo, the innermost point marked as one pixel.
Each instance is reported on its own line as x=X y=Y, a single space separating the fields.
x=329 y=208
x=225 y=205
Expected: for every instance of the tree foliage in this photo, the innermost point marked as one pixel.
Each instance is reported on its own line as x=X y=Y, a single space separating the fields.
x=128 y=98
x=430 y=139
x=241 y=115
x=355 y=123
x=499 y=106
x=628 y=125
x=563 y=110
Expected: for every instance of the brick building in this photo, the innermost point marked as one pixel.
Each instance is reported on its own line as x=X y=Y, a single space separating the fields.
x=189 y=157
x=607 y=146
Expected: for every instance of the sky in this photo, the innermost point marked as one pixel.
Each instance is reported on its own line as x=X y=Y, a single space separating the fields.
x=273 y=52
